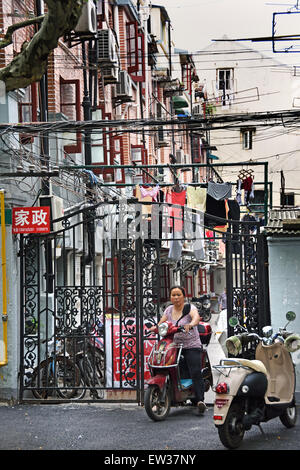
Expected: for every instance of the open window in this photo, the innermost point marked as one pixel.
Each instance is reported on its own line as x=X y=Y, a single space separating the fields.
x=70 y=107
x=135 y=43
x=132 y=46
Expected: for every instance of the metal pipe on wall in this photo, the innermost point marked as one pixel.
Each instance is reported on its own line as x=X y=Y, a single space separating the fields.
x=3 y=362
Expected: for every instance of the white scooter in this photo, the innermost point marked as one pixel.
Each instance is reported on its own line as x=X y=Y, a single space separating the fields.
x=249 y=392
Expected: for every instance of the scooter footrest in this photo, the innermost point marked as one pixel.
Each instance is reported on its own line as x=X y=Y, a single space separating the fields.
x=273 y=399
x=185 y=383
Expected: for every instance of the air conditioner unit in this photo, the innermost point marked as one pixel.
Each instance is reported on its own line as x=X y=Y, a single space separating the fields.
x=179 y=156
x=88 y=20
x=107 y=48
x=124 y=86
x=197 y=109
x=56 y=205
x=110 y=74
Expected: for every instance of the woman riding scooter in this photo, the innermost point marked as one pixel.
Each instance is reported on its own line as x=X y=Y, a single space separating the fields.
x=192 y=347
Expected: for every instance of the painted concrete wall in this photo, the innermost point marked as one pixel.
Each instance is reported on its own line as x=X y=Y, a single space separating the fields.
x=284 y=271
x=259 y=84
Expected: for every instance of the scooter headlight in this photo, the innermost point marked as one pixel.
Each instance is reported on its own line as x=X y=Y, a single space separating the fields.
x=233 y=345
x=163 y=329
x=206 y=304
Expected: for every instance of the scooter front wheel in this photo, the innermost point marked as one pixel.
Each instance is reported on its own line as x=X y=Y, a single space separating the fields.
x=157 y=409
x=231 y=433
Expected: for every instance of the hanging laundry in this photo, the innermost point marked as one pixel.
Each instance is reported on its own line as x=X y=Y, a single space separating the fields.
x=219 y=190
x=217 y=209
x=146 y=195
x=176 y=246
x=153 y=192
x=196 y=198
x=239 y=192
x=176 y=213
x=234 y=213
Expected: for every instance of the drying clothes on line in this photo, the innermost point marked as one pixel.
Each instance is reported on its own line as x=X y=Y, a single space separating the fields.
x=193 y=230
x=176 y=213
x=196 y=198
x=153 y=192
x=217 y=209
x=234 y=213
x=239 y=192
x=219 y=190
x=146 y=195
x=176 y=247
x=247 y=184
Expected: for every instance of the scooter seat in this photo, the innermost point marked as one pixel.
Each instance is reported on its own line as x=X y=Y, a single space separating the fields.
x=186 y=383
x=256 y=365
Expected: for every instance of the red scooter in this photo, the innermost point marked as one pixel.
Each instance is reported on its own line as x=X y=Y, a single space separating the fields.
x=170 y=384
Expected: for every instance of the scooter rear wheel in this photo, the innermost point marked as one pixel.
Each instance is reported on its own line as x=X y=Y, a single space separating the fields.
x=231 y=433
x=289 y=417
x=155 y=408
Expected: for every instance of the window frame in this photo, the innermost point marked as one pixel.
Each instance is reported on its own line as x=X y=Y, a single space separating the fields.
x=132 y=66
x=104 y=142
x=75 y=148
x=139 y=75
x=247 y=138
x=230 y=79
x=33 y=104
x=142 y=161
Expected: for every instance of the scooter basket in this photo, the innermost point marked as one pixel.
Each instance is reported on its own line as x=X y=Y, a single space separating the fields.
x=204 y=332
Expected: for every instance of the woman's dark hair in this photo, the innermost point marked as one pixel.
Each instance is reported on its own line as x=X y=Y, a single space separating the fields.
x=178 y=287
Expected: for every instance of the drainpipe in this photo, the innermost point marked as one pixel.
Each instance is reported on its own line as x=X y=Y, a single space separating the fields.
x=4 y=283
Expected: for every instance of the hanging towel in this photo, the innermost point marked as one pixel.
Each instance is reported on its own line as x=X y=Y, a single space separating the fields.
x=196 y=198
x=219 y=190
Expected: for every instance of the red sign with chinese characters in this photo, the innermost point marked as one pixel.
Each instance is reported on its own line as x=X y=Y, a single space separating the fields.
x=31 y=220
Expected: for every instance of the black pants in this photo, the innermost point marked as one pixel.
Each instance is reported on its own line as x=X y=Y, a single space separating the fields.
x=192 y=362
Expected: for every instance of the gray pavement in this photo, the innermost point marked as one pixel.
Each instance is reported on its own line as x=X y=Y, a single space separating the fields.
x=126 y=427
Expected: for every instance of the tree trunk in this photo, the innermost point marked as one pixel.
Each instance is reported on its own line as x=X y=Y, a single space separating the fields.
x=30 y=65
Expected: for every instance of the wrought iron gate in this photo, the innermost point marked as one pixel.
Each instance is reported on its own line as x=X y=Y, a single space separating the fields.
x=247 y=278
x=88 y=296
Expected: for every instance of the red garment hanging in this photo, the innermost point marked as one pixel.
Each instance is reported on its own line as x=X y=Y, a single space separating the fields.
x=176 y=213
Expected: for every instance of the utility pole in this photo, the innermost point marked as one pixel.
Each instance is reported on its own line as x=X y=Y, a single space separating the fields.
x=44 y=115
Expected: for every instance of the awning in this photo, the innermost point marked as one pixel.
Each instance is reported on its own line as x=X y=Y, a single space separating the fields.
x=213 y=157
x=182 y=112
x=180 y=102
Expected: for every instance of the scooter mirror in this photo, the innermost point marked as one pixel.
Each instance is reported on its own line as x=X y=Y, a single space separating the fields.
x=233 y=321
x=267 y=331
x=290 y=316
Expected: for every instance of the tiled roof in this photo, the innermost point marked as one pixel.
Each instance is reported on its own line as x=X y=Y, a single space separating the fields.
x=283 y=222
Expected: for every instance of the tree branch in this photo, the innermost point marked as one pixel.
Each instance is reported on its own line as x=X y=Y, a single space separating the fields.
x=30 y=65
x=7 y=40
